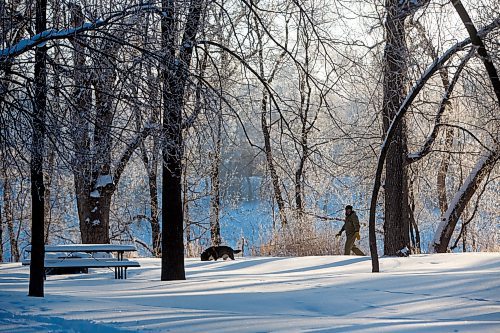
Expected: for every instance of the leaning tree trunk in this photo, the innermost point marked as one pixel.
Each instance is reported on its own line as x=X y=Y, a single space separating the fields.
x=462 y=197
x=175 y=79
x=396 y=227
x=37 y=270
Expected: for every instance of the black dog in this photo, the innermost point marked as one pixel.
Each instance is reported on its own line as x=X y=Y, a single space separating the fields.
x=216 y=252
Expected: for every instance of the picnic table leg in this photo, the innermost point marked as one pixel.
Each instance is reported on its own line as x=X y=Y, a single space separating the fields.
x=120 y=258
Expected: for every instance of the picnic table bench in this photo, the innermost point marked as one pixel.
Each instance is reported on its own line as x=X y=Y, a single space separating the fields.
x=83 y=256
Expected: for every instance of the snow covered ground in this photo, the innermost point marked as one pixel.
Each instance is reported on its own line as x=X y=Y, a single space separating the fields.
x=425 y=293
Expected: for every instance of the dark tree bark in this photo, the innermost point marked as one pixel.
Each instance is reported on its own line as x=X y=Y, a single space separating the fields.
x=185 y=206
x=481 y=48
x=397 y=224
x=175 y=75
x=414 y=231
x=1 y=235
x=37 y=270
x=9 y=217
x=215 y=183
x=48 y=176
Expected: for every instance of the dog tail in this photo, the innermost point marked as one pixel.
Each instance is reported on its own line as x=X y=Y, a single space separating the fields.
x=237 y=251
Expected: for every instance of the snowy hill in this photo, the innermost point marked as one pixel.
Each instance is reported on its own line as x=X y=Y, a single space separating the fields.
x=426 y=293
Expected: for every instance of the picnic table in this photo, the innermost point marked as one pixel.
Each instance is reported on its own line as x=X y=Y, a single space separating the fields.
x=70 y=256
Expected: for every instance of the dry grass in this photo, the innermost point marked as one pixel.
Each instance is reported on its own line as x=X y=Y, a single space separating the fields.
x=303 y=239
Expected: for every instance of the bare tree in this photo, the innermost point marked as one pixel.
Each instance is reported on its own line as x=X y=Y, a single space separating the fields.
x=37 y=270
x=397 y=223
x=175 y=77
x=487 y=161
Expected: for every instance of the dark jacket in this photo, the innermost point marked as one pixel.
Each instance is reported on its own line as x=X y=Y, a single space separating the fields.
x=351 y=225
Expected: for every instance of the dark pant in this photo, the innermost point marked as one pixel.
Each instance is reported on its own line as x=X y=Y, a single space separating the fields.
x=350 y=246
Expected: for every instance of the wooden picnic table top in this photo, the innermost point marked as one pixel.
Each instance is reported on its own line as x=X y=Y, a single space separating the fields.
x=90 y=248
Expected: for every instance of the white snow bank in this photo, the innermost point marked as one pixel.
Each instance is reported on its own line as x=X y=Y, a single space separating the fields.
x=425 y=293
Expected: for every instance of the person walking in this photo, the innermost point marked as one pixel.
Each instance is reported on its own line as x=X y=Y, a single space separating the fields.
x=351 y=227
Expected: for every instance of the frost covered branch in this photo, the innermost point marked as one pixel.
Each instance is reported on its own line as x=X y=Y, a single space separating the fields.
x=131 y=147
x=40 y=39
x=462 y=197
x=426 y=148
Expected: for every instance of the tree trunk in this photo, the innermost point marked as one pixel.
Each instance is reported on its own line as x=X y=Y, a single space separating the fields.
x=1 y=235
x=151 y=168
x=56 y=79
x=95 y=182
x=48 y=175
x=462 y=197
x=93 y=212
x=306 y=125
x=267 y=133
x=396 y=227
x=270 y=160
x=5 y=82
x=414 y=231
x=175 y=75
x=9 y=218
x=185 y=207
x=82 y=96
x=37 y=270
x=96 y=207
x=443 y=172
x=155 y=224
x=464 y=239
x=215 y=184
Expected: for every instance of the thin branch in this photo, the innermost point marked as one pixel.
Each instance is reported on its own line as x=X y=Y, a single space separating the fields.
x=426 y=148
